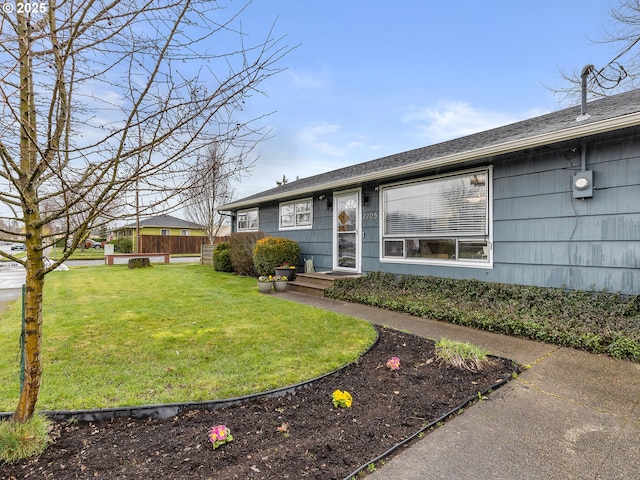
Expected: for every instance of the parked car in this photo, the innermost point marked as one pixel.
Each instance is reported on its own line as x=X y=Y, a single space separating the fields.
x=88 y=243
x=19 y=246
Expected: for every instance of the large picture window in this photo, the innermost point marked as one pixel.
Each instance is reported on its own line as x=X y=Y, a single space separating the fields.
x=297 y=214
x=440 y=219
x=248 y=220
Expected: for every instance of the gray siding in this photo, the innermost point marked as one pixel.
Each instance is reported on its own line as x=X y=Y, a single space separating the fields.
x=314 y=243
x=541 y=235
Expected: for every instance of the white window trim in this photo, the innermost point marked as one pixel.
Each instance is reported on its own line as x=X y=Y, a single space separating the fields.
x=295 y=226
x=185 y=232
x=463 y=263
x=162 y=230
x=240 y=212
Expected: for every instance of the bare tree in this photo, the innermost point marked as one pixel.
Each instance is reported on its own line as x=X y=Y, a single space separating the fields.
x=103 y=98
x=284 y=180
x=622 y=72
x=211 y=187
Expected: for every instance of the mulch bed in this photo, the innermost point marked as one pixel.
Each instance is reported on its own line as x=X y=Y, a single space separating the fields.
x=298 y=435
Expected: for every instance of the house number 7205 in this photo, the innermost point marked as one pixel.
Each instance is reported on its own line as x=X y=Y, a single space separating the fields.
x=369 y=215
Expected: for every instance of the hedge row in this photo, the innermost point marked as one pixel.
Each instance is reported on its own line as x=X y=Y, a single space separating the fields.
x=597 y=322
x=254 y=253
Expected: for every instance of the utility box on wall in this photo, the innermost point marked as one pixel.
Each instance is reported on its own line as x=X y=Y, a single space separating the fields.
x=582 y=184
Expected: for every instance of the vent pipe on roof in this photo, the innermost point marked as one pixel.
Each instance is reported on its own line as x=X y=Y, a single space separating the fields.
x=583 y=77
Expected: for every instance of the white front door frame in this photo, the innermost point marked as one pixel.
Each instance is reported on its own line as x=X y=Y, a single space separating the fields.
x=347 y=231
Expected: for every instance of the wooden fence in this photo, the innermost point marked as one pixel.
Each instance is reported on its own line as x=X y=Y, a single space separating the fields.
x=171 y=244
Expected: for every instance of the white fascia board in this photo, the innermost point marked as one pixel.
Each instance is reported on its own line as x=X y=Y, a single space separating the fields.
x=578 y=131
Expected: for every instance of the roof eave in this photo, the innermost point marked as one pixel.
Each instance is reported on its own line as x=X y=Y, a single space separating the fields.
x=580 y=130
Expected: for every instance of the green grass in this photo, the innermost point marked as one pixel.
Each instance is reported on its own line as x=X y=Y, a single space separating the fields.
x=23 y=440
x=78 y=254
x=171 y=333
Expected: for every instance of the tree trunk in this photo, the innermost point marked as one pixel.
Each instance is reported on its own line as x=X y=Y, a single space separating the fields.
x=32 y=341
x=139 y=263
x=34 y=265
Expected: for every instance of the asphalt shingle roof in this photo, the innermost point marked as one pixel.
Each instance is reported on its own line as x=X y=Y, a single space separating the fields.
x=164 y=221
x=599 y=110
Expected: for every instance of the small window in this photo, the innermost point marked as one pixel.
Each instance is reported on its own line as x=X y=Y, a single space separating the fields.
x=297 y=214
x=431 y=248
x=247 y=220
x=165 y=232
x=185 y=233
x=393 y=248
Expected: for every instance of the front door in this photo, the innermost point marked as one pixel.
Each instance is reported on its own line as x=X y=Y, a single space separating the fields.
x=346 y=226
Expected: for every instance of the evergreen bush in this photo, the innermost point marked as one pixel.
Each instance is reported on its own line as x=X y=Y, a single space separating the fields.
x=122 y=245
x=222 y=258
x=272 y=252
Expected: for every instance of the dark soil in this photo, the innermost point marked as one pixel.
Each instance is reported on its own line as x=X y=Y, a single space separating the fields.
x=299 y=435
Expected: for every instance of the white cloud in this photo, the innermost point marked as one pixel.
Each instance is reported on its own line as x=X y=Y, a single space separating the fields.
x=453 y=119
x=318 y=138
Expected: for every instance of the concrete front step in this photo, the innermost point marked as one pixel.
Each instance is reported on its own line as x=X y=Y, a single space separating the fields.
x=316 y=283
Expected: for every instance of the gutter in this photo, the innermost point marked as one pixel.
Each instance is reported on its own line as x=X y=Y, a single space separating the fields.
x=592 y=128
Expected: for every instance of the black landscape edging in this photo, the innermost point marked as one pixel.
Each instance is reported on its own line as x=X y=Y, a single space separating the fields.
x=434 y=423
x=169 y=410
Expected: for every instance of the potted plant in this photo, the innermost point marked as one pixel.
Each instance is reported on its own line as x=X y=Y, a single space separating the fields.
x=286 y=270
x=280 y=283
x=265 y=283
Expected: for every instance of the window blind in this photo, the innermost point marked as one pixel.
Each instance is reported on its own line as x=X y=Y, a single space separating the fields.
x=449 y=206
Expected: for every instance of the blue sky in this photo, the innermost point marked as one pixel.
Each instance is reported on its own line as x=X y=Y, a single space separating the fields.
x=373 y=78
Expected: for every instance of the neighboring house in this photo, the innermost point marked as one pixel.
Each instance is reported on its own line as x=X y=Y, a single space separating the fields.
x=552 y=201
x=164 y=234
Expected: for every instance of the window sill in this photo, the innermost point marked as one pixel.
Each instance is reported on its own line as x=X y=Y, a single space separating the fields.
x=439 y=262
x=306 y=227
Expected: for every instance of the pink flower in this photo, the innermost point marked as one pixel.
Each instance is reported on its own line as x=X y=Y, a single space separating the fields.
x=219 y=435
x=393 y=363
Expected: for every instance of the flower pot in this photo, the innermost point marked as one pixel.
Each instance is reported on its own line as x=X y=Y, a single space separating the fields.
x=265 y=287
x=290 y=273
x=280 y=286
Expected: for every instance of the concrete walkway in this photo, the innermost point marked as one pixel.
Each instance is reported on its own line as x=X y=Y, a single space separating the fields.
x=572 y=415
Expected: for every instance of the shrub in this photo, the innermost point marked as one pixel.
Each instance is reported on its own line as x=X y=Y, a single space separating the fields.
x=122 y=245
x=222 y=258
x=272 y=252
x=597 y=322
x=241 y=251
x=23 y=440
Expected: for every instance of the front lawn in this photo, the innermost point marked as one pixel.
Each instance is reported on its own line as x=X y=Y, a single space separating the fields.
x=171 y=333
x=78 y=254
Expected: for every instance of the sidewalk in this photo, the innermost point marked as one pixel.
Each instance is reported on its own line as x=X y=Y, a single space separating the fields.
x=572 y=415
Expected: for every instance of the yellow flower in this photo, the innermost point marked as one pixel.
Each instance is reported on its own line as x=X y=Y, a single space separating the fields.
x=342 y=399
